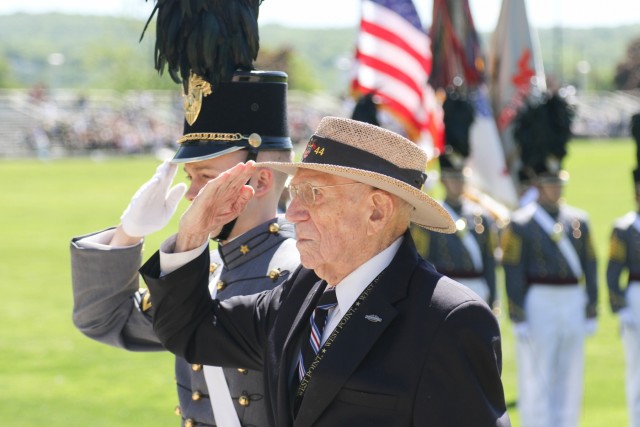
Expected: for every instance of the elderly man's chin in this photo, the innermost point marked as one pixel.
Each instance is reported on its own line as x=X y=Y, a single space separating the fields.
x=308 y=253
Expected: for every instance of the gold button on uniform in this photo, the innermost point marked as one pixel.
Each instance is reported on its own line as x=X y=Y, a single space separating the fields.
x=274 y=228
x=196 y=368
x=244 y=400
x=212 y=267
x=274 y=274
x=178 y=410
x=242 y=371
x=221 y=285
x=189 y=423
x=196 y=395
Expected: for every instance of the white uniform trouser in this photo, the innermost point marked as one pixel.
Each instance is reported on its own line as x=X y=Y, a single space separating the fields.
x=631 y=342
x=551 y=359
x=477 y=285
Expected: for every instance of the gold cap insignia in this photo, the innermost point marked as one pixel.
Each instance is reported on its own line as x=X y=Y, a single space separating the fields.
x=192 y=101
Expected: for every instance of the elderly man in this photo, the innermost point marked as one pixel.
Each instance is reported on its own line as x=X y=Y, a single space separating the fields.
x=366 y=332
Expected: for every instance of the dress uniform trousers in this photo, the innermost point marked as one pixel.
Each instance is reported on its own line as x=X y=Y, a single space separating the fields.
x=551 y=358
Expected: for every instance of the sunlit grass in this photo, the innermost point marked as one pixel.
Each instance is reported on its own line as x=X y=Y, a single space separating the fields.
x=51 y=375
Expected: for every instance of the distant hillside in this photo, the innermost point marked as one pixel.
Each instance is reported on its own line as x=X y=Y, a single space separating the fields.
x=103 y=52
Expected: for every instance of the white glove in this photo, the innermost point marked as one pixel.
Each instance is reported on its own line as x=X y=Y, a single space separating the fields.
x=627 y=319
x=590 y=326
x=154 y=203
x=521 y=330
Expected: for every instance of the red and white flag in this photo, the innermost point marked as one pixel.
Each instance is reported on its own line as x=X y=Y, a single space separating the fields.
x=393 y=60
x=515 y=70
x=459 y=62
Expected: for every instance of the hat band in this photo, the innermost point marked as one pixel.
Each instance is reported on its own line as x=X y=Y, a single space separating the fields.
x=331 y=152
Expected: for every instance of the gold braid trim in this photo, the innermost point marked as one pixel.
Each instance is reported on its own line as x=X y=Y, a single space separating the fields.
x=211 y=136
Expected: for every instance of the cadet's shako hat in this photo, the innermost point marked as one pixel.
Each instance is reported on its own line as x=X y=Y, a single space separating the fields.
x=375 y=156
x=458 y=117
x=248 y=112
x=210 y=47
x=542 y=130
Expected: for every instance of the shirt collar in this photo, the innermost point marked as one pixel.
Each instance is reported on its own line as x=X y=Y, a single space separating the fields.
x=349 y=289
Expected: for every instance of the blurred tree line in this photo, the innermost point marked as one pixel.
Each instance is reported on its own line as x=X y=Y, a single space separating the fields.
x=102 y=52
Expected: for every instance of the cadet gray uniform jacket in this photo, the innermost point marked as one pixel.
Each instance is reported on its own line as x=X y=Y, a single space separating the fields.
x=531 y=256
x=110 y=307
x=624 y=253
x=449 y=255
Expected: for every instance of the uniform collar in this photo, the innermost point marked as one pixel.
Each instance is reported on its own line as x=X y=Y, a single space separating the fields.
x=254 y=242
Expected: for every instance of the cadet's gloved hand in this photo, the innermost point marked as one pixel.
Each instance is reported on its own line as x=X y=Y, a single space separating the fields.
x=627 y=319
x=521 y=329
x=154 y=203
x=590 y=326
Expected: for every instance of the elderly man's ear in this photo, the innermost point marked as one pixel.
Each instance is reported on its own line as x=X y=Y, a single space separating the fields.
x=382 y=211
x=262 y=181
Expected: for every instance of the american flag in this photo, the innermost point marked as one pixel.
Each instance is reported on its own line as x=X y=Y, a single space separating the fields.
x=393 y=60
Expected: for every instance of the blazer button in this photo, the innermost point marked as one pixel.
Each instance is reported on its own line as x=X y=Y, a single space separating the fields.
x=196 y=368
x=221 y=285
x=189 y=423
x=242 y=371
x=244 y=400
x=196 y=395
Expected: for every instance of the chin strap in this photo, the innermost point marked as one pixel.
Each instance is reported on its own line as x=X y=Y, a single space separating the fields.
x=228 y=227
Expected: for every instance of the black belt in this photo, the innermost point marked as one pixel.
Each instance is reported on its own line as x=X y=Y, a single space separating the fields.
x=554 y=281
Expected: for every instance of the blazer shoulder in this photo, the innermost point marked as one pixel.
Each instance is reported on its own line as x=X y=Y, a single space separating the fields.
x=450 y=294
x=445 y=293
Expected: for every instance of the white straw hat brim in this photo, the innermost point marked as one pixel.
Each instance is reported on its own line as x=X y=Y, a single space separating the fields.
x=427 y=212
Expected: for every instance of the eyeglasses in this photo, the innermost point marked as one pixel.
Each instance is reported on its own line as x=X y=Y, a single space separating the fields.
x=307 y=192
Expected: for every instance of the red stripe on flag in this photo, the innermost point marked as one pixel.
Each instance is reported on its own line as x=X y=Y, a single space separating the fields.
x=390 y=70
x=393 y=38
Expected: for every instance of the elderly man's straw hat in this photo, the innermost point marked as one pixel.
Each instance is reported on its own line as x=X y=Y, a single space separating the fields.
x=375 y=156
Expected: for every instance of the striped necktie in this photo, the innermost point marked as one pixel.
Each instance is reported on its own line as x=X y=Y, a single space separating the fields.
x=310 y=348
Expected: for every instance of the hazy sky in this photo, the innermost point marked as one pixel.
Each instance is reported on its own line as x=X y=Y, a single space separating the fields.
x=327 y=13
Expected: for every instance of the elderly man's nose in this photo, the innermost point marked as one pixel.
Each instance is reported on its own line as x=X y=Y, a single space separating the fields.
x=296 y=211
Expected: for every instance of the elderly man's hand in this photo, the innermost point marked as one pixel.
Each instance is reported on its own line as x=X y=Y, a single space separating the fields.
x=218 y=202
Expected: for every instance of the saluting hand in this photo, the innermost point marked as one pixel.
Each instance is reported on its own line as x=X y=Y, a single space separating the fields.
x=218 y=202
x=154 y=203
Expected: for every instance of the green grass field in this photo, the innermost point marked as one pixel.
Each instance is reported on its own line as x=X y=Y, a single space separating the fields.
x=51 y=375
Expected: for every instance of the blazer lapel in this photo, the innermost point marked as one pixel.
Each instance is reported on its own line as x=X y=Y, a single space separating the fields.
x=285 y=411
x=344 y=355
x=364 y=329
